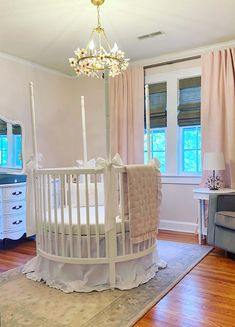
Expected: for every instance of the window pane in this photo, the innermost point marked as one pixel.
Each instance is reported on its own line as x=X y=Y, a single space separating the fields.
x=159 y=140
x=16 y=153
x=158 y=145
x=190 y=161
x=189 y=138
x=199 y=137
x=3 y=151
x=191 y=149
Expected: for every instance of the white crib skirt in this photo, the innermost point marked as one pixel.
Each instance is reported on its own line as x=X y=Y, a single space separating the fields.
x=93 y=277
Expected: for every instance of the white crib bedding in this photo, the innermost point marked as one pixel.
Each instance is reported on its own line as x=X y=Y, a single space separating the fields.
x=82 y=228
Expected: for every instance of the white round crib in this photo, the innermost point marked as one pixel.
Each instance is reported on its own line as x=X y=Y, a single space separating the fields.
x=81 y=244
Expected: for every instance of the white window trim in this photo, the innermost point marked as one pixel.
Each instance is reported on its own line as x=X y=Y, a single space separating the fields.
x=172 y=159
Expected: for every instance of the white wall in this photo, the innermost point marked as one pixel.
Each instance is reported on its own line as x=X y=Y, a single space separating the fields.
x=93 y=90
x=57 y=106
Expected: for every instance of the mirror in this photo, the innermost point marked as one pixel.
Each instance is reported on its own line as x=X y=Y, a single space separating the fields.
x=10 y=145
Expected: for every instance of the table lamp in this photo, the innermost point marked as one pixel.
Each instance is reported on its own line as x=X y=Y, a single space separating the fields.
x=214 y=161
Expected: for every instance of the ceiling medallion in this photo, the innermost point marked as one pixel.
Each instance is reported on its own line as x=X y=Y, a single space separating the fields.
x=98 y=54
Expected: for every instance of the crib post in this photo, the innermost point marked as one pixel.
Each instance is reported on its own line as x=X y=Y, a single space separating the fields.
x=107 y=114
x=112 y=256
x=147 y=110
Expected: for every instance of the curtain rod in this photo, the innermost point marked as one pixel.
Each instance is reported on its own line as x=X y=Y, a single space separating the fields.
x=170 y=62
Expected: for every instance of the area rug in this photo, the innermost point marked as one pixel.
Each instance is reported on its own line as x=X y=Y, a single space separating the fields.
x=27 y=303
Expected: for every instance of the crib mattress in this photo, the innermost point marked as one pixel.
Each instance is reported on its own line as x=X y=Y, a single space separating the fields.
x=87 y=224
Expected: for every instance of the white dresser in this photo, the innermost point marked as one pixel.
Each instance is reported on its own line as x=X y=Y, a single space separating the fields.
x=12 y=210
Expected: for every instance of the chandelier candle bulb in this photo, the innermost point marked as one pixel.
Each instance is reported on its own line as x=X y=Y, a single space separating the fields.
x=115 y=48
x=92 y=46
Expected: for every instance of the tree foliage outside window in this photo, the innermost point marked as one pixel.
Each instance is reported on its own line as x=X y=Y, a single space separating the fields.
x=3 y=151
x=191 y=149
x=16 y=157
x=157 y=146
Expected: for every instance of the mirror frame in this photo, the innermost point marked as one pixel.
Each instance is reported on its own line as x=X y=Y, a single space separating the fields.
x=9 y=170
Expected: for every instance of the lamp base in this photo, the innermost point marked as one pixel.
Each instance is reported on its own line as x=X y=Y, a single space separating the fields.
x=214 y=182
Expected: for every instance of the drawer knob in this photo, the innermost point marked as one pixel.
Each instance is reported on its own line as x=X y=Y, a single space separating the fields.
x=17 y=207
x=17 y=222
x=17 y=193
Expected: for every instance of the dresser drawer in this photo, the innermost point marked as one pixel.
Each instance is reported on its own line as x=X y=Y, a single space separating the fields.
x=12 y=235
x=12 y=193
x=12 y=223
x=12 y=207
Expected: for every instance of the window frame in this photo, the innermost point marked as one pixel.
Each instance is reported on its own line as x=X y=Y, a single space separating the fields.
x=172 y=130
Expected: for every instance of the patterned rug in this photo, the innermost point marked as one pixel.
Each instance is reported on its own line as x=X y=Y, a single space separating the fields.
x=27 y=303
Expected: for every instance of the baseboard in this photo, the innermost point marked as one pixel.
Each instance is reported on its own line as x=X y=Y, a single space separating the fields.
x=178 y=226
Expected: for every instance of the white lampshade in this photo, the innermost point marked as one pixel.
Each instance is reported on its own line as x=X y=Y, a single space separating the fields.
x=213 y=161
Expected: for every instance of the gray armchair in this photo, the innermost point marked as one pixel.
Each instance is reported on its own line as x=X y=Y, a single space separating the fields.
x=221 y=223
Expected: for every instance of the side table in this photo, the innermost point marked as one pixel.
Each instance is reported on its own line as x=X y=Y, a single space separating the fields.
x=203 y=195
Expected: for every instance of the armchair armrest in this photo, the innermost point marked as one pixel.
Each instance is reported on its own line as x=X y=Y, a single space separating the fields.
x=226 y=202
x=218 y=202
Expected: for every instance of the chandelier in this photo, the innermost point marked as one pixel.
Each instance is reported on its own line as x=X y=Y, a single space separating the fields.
x=98 y=55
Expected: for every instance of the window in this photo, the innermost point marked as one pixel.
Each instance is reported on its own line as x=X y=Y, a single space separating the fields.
x=175 y=119
x=189 y=124
x=10 y=145
x=157 y=146
x=158 y=123
x=191 y=149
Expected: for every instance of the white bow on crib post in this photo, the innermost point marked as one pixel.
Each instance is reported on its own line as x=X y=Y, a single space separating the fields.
x=111 y=202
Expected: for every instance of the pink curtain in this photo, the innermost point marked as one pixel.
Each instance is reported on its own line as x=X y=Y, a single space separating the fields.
x=127 y=115
x=218 y=108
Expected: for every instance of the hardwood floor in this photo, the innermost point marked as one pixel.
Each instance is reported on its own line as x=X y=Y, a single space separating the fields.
x=205 y=297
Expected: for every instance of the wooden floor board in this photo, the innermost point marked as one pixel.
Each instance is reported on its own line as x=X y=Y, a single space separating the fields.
x=204 y=298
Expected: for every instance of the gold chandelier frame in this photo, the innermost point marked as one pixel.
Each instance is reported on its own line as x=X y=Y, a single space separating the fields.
x=92 y=61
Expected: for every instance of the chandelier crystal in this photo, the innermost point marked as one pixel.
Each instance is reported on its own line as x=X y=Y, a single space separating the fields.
x=98 y=54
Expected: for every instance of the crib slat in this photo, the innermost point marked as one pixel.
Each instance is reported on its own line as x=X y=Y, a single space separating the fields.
x=87 y=217
x=70 y=216
x=49 y=210
x=55 y=213
x=42 y=210
x=43 y=190
x=62 y=203
x=122 y=213
x=38 y=212
x=96 y=218
x=78 y=218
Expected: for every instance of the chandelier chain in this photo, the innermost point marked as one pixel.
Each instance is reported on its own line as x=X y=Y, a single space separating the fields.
x=98 y=16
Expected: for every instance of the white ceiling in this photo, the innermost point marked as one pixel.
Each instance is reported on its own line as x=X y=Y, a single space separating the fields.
x=48 y=31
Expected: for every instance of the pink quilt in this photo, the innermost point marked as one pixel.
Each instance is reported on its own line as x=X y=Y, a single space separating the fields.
x=142 y=189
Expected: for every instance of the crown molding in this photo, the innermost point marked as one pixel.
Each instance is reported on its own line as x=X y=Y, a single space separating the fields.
x=183 y=54
x=29 y=63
